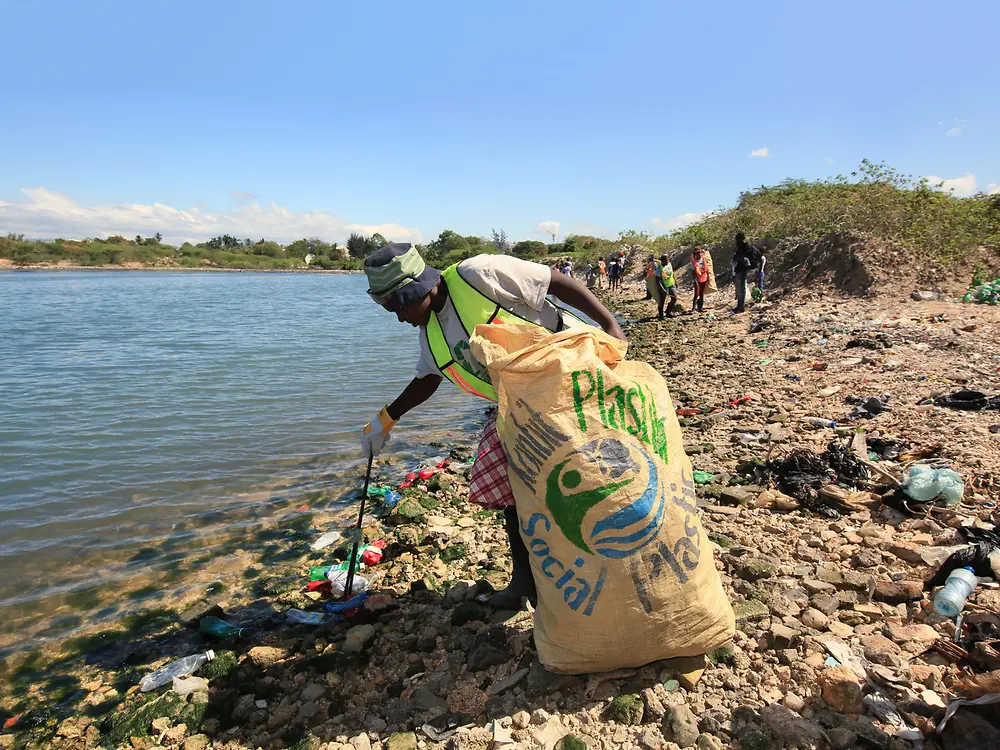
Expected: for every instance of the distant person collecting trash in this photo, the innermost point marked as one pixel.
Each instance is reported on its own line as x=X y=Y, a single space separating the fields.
x=666 y=286
x=745 y=259
x=614 y=273
x=699 y=266
x=650 y=271
x=447 y=306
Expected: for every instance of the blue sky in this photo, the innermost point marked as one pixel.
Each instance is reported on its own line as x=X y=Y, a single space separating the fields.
x=316 y=118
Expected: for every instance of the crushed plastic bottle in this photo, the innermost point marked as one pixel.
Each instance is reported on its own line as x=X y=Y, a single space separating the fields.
x=179 y=668
x=326 y=540
x=219 y=628
x=950 y=600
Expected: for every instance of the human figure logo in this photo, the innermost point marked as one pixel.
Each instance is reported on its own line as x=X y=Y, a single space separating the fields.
x=573 y=491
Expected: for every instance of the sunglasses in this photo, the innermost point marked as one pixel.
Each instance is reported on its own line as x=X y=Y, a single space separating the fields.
x=383 y=297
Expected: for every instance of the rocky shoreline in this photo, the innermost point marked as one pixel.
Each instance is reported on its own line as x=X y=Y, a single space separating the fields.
x=836 y=645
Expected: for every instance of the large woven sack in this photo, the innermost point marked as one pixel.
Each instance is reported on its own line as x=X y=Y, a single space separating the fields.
x=605 y=499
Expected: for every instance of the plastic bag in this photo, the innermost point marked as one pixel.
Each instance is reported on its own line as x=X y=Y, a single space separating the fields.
x=923 y=484
x=338 y=583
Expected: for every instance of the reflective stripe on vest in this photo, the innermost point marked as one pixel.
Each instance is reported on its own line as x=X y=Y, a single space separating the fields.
x=473 y=308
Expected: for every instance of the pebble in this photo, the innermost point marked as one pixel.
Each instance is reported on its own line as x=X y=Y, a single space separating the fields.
x=813 y=618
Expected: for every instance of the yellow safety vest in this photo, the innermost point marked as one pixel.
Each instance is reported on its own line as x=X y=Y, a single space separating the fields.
x=473 y=308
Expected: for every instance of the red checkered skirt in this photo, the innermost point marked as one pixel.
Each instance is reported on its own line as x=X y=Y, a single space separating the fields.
x=489 y=486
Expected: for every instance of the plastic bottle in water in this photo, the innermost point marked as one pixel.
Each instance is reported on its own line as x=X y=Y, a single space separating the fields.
x=820 y=422
x=950 y=600
x=219 y=628
x=179 y=668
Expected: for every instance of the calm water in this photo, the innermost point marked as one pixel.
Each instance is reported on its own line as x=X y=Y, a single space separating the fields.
x=137 y=404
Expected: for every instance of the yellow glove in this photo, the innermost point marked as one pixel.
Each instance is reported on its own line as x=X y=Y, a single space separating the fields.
x=376 y=433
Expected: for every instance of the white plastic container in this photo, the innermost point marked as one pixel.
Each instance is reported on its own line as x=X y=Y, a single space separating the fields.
x=950 y=600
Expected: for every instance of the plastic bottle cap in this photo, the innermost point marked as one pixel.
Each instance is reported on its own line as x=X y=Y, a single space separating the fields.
x=210 y=654
x=969 y=569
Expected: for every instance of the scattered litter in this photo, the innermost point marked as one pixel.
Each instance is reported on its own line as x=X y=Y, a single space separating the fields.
x=219 y=628
x=178 y=668
x=353 y=603
x=702 y=477
x=955 y=705
x=987 y=293
x=923 y=484
x=981 y=555
x=325 y=541
x=868 y=407
x=966 y=400
x=299 y=617
x=802 y=473
x=950 y=600
x=188 y=685
x=338 y=583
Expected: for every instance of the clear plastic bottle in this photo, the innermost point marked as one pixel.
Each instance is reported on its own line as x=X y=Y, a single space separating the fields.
x=179 y=668
x=820 y=422
x=950 y=600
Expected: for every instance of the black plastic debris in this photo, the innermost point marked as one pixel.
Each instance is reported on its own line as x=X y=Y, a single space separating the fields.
x=802 y=473
x=867 y=407
x=966 y=400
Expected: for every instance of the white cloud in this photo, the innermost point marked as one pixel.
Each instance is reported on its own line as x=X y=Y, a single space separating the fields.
x=592 y=230
x=549 y=227
x=959 y=126
x=680 y=221
x=760 y=153
x=48 y=214
x=993 y=188
x=960 y=186
x=242 y=197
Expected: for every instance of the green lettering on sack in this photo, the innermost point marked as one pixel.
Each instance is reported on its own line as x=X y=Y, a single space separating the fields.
x=632 y=411
x=579 y=398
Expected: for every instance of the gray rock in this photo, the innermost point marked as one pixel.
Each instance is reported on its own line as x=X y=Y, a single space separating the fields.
x=244 y=707
x=680 y=725
x=842 y=738
x=489 y=649
x=654 y=708
x=867 y=558
x=825 y=603
x=792 y=729
x=782 y=636
x=357 y=638
x=313 y=692
x=401 y=741
x=424 y=700
x=752 y=568
x=750 y=610
x=754 y=739
x=468 y=612
x=813 y=618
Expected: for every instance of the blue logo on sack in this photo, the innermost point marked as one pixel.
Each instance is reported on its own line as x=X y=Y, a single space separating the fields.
x=572 y=500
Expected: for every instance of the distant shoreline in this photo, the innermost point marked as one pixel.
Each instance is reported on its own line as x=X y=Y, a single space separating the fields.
x=35 y=267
